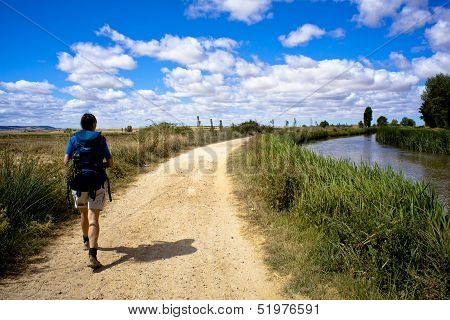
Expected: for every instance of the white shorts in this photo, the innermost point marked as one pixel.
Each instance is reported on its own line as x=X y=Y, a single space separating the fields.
x=84 y=201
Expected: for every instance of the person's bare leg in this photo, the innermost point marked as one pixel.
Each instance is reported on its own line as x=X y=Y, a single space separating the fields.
x=84 y=221
x=94 y=231
x=94 y=228
x=84 y=226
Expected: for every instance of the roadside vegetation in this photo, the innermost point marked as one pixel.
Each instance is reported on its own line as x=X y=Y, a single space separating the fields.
x=336 y=229
x=33 y=185
x=416 y=139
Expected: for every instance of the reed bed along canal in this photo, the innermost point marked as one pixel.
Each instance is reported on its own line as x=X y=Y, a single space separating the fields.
x=431 y=168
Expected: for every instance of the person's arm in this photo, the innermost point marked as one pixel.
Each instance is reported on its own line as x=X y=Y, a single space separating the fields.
x=68 y=152
x=109 y=161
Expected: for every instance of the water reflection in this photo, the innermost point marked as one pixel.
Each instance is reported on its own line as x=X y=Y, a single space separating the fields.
x=431 y=168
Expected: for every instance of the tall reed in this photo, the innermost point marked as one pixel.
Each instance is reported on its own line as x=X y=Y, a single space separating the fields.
x=32 y=197
x=387 y=236
x=416 y=139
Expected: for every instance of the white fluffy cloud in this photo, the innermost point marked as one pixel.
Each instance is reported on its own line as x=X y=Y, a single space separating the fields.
x=245 y=69
x=305 y=87
x=372 y=12
x=306 y=75
x=134 y=108
x=422 y=67
x=406 y=15
x=94 y=66
x=91 y=58
x=26 y=103
x=27 y=108
x=299 y=61
x=202 y=53
x=100 y=80
x=248 y=11
x=28 y=87
x=439 y=36
x=94 y=94
x=337 y=33
x=191 y=82
x=301 y=35
x=76 y=105
x=428 y=67
x=305 y=33
x=411 y=17
x=399 y=60
x=224 y=43
x=216 y=61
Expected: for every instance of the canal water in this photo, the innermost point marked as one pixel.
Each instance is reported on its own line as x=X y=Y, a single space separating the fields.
x=432 y=168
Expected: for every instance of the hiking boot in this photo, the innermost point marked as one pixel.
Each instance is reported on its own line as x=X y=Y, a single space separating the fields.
x=94 y=263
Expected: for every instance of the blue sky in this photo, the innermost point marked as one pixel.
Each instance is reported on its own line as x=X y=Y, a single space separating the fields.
x=231 y=60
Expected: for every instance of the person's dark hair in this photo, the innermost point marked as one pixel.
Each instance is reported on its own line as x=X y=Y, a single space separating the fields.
x=87 y=121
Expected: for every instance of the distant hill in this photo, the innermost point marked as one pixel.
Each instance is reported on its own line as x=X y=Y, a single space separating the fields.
x=27 y=128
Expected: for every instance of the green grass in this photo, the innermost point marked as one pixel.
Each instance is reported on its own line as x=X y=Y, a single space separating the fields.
x=416 y=139
x=303 y=135
x=31 y=200
x=33 y=184
x=341 y=230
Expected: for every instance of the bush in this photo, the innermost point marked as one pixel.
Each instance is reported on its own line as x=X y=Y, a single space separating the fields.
x=406 y=122
x=324 y=124
x=381 y=121
x=249 y=127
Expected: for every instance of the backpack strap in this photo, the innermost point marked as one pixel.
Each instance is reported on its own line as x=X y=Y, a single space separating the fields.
x=92 y=194
x=109 y=189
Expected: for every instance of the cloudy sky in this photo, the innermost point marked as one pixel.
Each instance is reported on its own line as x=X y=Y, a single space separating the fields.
x=169 y=60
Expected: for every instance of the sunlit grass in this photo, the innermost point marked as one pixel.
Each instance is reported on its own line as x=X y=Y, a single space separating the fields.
x=345 y=230
x=416 y=139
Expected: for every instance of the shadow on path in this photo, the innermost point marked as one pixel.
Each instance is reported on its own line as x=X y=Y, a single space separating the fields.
x=147 y=253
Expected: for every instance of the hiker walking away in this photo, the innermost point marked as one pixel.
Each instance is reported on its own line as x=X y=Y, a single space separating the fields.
x=87 y=148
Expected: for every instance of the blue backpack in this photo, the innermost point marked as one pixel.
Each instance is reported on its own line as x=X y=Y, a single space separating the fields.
x=88 y=173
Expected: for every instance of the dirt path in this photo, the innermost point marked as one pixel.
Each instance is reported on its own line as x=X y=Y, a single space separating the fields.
x=174 y=234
